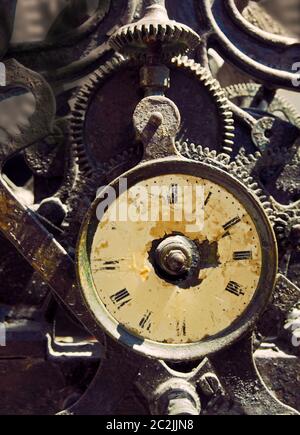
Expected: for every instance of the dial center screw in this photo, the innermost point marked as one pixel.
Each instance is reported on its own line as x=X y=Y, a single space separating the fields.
x=174 y=255
x=177 y=261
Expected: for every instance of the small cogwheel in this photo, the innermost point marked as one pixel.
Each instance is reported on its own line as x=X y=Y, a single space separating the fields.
x=285 y=217
x=243 y=94
x=153 y=30
x=198 y=153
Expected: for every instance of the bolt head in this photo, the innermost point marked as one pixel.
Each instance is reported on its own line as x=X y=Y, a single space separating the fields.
x=157 y=118
x=210 y=384
x=174 y=255
x=177 y=261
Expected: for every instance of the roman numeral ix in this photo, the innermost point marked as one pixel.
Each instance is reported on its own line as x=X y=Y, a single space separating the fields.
x=208 y=198
x=173 y=196
x=181 y=328
x=145 y=321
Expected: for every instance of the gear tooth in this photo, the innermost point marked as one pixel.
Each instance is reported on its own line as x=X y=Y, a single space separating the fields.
x=224 y=159
x=163 y=32
x=148 y=30
x=253 y=186
x=218 y=94
x=113 y=162
x=265 y=204
x=193 y=148
x=135 y=37
x=81 y=101
x=229 y=128
x=78 y=110
x=228 y=142
x=185 y=147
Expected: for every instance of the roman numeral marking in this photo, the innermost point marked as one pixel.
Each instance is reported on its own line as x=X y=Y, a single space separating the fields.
x=208 y=198
x=232 y=223
x=235 y=289
x=107 y=265
x=110 y=265
x=242 y=255
x=181 y=328
x=145 y=321
x=226 y=235
x=121 y=298
x=173 y=195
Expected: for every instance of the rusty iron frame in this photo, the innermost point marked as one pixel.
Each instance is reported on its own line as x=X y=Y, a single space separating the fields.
x=264 y=291
x=232 y=362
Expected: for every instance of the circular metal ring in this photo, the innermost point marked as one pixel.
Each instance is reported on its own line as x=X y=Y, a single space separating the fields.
x=236 y=330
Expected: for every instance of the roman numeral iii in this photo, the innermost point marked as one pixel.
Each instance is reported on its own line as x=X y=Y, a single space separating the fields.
x=242 y=255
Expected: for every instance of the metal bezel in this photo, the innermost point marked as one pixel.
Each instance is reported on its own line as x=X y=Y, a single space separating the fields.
x=242 y=325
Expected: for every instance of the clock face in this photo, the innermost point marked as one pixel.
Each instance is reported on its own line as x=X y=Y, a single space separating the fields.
x=176 y=259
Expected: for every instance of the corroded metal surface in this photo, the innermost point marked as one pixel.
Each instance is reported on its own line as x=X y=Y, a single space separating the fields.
x=88 y=108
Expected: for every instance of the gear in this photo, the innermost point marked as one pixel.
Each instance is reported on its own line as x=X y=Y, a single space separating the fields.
x=277 y=168
x=285 y=217
x=87 y=159
x=222 y=161
x=93 y=172
x=214 y=88
x=155 y=28
x=285 y=220
x=85 y=187
x=243 y=94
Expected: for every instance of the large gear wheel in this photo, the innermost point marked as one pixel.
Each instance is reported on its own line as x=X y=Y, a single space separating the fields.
x=284 y=217
x=217 y=108
x=284 y=220
x=95 y=165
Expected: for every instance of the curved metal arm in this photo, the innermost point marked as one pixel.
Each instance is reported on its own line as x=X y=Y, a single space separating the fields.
x=264 y=56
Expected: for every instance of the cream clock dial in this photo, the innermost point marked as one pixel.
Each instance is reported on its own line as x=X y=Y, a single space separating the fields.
x=176 y=259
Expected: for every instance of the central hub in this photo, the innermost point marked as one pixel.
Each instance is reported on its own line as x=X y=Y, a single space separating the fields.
x=174 y=255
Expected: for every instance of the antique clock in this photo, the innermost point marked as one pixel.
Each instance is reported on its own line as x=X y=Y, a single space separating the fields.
x=171 y=288
x=162 y=219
